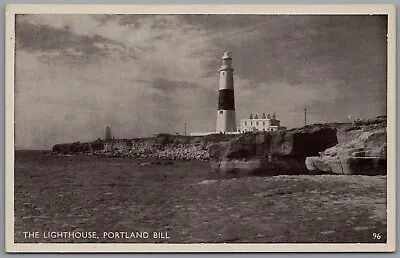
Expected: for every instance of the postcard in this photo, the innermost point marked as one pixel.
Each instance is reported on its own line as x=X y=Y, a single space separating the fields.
x=200 y=128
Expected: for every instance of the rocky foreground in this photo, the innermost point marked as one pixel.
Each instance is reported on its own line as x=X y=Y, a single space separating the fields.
x=363 y=154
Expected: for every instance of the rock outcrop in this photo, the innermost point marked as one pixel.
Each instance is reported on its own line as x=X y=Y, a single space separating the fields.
x=365 y=155
x=271 y=153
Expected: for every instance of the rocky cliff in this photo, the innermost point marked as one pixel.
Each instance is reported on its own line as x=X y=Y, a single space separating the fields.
x=337 y=148
x=271 y=153
x=361 y=151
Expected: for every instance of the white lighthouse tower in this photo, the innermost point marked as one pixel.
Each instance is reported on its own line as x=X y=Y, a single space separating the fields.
x=226 y=118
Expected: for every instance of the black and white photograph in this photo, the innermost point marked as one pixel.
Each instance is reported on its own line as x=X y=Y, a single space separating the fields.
x=239 y=130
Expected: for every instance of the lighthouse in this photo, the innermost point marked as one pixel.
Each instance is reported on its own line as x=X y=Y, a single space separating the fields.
x=226 y=118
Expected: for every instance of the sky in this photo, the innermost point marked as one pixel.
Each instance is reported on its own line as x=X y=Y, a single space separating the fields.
x=146 y=74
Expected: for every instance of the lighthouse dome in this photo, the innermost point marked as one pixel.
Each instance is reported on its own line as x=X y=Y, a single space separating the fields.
x=227 y=55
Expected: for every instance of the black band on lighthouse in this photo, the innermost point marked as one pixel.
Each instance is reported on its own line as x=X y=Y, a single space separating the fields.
x=226 y=99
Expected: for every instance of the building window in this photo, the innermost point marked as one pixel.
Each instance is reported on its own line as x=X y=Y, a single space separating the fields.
x=221 y=112
x=257 y=123
x=251 y=123
x=223 y=73
x=245 y=123
x=263 y=122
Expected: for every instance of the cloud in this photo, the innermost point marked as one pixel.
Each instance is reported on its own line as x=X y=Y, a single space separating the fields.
x=135 y=96
x=303 y=49
x=145 y=74
x=62 y=43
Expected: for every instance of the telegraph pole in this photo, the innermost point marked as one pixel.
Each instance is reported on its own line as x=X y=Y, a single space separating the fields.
x=185 y=129
x=305 y=116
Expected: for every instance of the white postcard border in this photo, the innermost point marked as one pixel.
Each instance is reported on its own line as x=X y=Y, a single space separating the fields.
x=13 y=9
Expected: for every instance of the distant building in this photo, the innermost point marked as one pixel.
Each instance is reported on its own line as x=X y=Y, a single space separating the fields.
x=264 y=123
x=108 y=136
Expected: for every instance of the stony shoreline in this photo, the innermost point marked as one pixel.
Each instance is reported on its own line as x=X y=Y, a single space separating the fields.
x=168 y=153
x=162 y=147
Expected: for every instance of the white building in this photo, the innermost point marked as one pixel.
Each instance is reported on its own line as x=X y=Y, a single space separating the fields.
x=264 y=123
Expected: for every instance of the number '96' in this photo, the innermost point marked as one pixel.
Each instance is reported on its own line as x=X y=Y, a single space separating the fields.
x=376 y=236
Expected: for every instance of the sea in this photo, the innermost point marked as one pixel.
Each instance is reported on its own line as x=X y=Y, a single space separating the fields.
x=63 y=198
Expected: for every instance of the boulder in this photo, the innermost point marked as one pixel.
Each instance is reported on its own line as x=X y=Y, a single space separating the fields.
x=271 y=153
x=365 y=155
x=347 y=165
